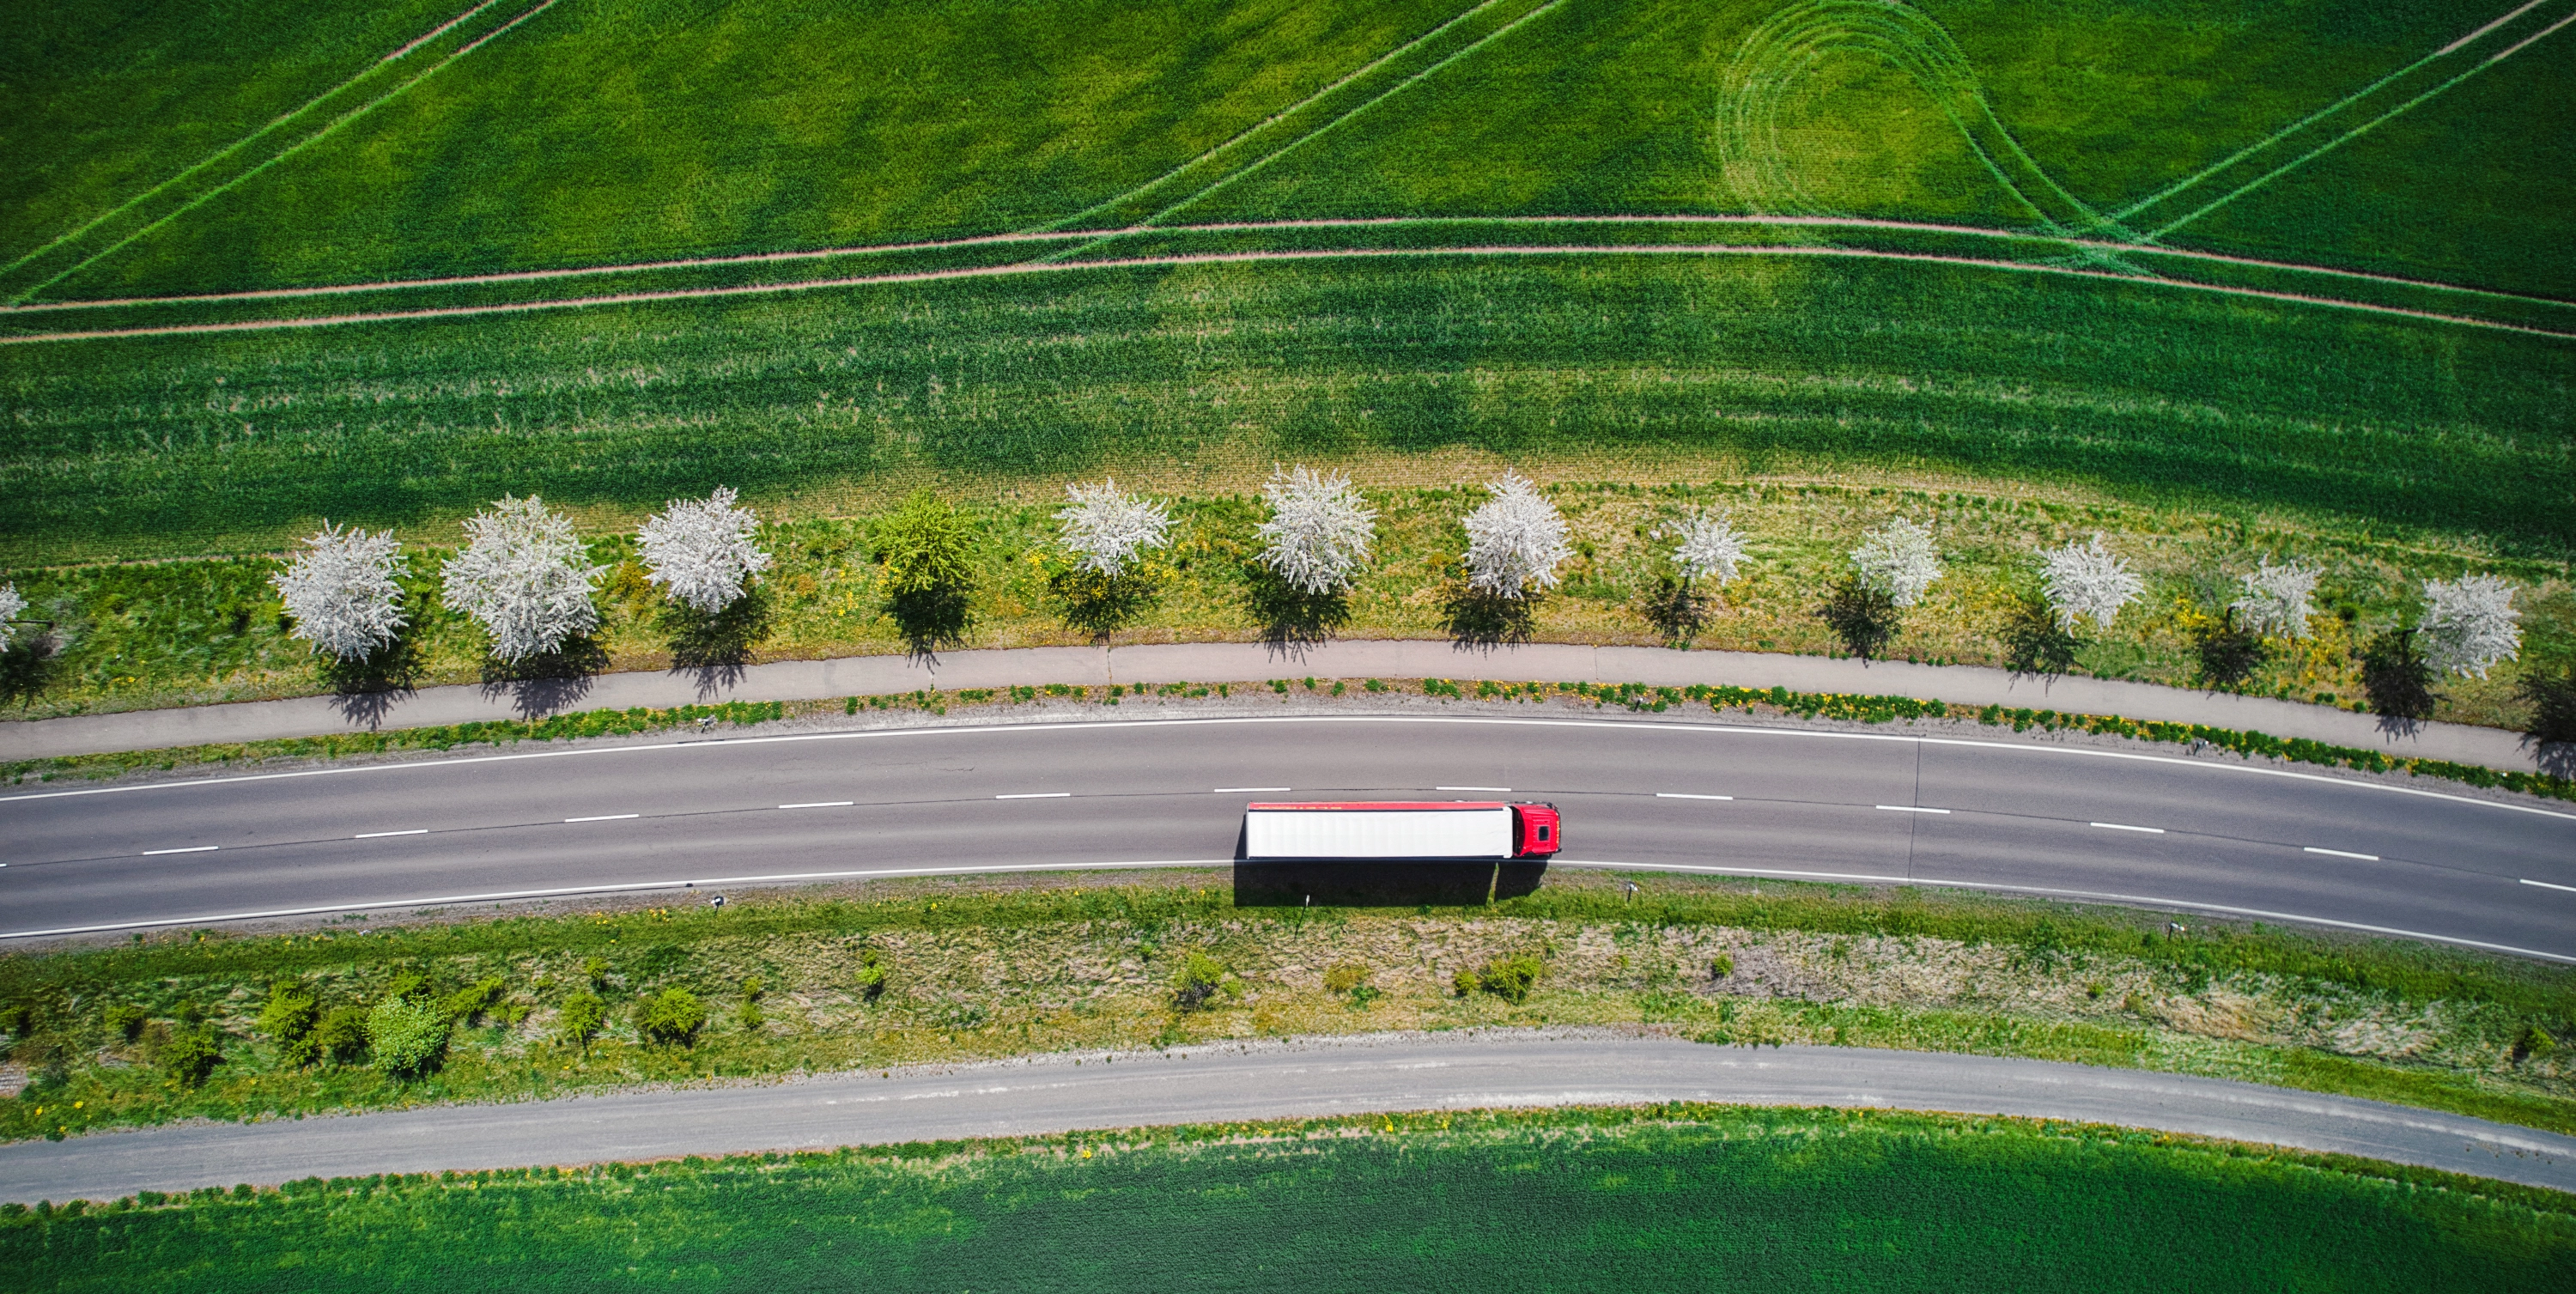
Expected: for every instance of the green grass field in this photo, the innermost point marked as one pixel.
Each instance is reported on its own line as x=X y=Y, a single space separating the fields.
x=1660 y=1198
x=2091 y=159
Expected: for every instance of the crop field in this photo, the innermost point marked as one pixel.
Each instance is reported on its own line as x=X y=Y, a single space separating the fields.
x=1672 y=1197
x=382 y=264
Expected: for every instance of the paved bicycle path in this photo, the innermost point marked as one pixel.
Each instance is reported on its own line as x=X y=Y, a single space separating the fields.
x=1231 y=1081
x=1239 y=662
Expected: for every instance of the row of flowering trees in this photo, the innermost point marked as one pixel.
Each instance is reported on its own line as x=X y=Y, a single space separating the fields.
x=524 y=577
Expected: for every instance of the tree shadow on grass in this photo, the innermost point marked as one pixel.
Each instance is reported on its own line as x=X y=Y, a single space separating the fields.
x=28 y=666
x=1099 y=604
x=932 y=620
x=365 y=690
x=537 y=686
x=716 y=646
x=1677 y=611
x=1477 y=619
x=1293 y=621
x=1864 y=618
x=2034 y=643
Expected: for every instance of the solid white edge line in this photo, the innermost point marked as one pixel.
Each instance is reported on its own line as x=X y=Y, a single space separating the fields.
x=379 y=835
x=1910 y=808
x=1037 y=795
x=2547 y=886
x=2341 y=853
x=625 y=888
x=1684 y=795
x=607 y=817
x=1497 y=790
x=822 y=804
x=1087 y=724
x=192 y=849
x=1246 y=790
x=2133 y=899
x=2122 y=826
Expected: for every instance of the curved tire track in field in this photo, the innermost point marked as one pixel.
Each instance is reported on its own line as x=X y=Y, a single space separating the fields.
x=1219 y=258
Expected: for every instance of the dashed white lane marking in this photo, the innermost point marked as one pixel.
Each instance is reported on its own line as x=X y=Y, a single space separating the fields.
x=1501 y=789
x=1910 y=808
x=1682 y=795
x=2342 y=853
x=192 y=849
x=1246 y=790
x=607 y=817
x=1037 y=795
x=2122 y=826
x=2547 y=886
x=820 y=804
x=379 y=835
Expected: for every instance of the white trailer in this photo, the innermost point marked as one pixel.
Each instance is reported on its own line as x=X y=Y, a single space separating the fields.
x=1464 y=830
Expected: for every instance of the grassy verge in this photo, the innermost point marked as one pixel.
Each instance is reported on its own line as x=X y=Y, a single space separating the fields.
x=1661 y=1197
x=1770 y=702
x=137 y=635
x=939 y=970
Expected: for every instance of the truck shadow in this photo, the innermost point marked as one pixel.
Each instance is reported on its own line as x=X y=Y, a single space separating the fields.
x=1381 y=885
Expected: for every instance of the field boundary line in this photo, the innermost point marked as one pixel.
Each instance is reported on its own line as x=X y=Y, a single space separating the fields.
x=1266 y=122
x=2195 y=178
x=228 y=149
x=2356 y=132
x=291 y=150
x=1346 y=222
x=1223 y=258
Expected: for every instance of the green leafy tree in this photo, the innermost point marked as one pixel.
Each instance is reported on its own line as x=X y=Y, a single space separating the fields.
x=926 y=545
x=671 y=1017
x=579 y=1019
x=289 y=1020
x=191 y=1054
x=341 y=1037
x=1200 y=978
x=408 y=1038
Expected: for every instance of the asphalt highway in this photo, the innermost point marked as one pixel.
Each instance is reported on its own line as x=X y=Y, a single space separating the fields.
x=1646 y=793
x=1243 y=1081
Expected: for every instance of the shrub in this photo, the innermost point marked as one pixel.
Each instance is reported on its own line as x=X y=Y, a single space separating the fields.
x=467 y=1003
x=1464 y=982
x=2533 y=1041
x=871 y=979
x=580 y=1018
x=1509 y=978
x=407 y=1037
x=1345 y=977
x=751 y=1016
x=289 y=1020
x=671 y=1017
x=1722 y=967
x=191 y=1054
x=1201 y=977
x=125 y=1020
x=341 y=1035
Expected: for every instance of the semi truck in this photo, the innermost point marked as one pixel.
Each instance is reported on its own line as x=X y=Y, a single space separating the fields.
x=1477 y=830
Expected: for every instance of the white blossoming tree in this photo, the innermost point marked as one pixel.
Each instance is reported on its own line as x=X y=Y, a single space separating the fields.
x=1319 y=530
x=1107 y=528
x=2469 y=624
x=1516 y=541
x=2087 y=580
x=2278 y=599
x=11 y=606
x=702 y=551
x=1897 y=560
x=1710 y=546
x=341 y=591
x=524 y=577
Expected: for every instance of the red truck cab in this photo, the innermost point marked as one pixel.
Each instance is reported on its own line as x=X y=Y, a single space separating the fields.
x=1537 y=831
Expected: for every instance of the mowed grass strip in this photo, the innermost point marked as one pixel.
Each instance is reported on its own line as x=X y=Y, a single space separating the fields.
x=1671 y=1197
